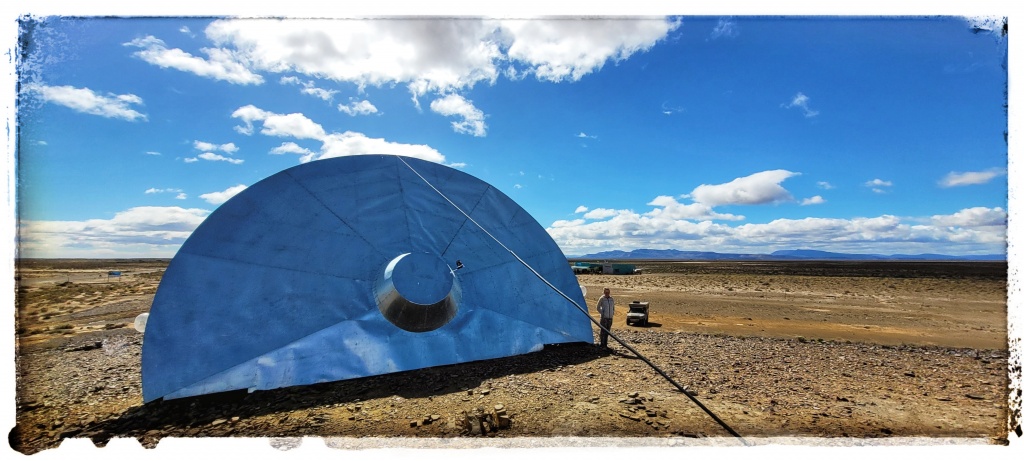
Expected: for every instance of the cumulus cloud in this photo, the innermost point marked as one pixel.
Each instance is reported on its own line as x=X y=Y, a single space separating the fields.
x=454 y=105
x=292 y=148
x=221 y=64
x=877 y=185
x=427 y=55
x=557 y=49
x=229 y=148
x=756 y=189
x=584 y=135
x=354 y=108
x=825 y=185
x=816 y=200
x=800 y=100
x=332 y=144
x=970 y=178
x=971 y=231
x=435 y=55
x=87 y=101
x=146 y=231
x=669 y=208
x=581 y=209
x=352 y=143
x=600 y=213
x=217 y=198
x=972 y=218
x=210 y=156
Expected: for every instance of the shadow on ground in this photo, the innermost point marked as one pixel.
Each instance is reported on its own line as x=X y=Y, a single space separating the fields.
x=170 y=418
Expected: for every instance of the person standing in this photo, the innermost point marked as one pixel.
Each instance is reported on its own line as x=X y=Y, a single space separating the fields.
x=606 y=307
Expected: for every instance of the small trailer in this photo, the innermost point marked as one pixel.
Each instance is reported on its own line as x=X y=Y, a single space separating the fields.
x=639 y=313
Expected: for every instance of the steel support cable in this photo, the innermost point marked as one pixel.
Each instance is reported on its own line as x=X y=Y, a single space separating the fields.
x=584 y=311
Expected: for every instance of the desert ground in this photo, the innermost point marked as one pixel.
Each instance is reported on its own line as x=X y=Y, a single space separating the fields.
x=812 y=349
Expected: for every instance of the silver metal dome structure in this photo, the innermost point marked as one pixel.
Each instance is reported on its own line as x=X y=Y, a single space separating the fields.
x=351 y=267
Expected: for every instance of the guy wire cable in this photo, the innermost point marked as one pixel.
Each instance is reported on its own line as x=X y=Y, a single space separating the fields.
x=584 y=311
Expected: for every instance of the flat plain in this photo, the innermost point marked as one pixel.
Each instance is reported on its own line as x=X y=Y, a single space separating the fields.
x=806 y=349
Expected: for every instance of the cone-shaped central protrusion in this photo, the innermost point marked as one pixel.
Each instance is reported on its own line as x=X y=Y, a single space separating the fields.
x=418 y=292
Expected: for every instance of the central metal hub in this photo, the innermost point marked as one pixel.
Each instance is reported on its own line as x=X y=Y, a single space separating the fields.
x=418 y=292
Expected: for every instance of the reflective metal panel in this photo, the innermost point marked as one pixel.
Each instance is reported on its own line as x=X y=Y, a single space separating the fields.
x=350 y=267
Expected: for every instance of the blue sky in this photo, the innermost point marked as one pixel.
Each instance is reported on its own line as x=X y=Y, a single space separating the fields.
x=729 y=134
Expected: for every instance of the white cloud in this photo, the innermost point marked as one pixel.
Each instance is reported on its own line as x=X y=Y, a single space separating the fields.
x=581 y=209
x=191 y=160
x=973 y=217
x=351 y=143
x=435 y=55
x=970 y=178
x=217 y=198
x=970 y=231
x=219 y=158
x=152 y=153
x=518 y=186
x=354 y=108
x=724 y=28
x=756 y=189
x=153 y=190
x=825 y=185
x=292 y=125
x=249 y=114
x=139 y=231
x=222 y=64
x=672 y=209
x=557 y=49
x=877 y=185
x=229 y=148
x=600 y=213
x=816 y=200
x=41 y=143
x=457 y=165
x=309 y=87
x=333 y=144
x=428 y=55
x=800 y=100
x=454 y=105
x=584 y=135
x=181 y=196
x=87 y=101
x=292 y=148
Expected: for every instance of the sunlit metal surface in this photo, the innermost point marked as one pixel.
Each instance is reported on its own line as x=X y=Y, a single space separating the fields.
x=350 y=267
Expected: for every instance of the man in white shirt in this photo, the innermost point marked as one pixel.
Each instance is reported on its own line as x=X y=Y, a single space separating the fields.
x=606 y=307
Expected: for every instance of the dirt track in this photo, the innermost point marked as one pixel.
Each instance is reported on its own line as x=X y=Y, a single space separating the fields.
x=799 y=349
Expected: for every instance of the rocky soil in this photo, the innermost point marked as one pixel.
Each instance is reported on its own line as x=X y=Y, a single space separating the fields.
x=78 y=376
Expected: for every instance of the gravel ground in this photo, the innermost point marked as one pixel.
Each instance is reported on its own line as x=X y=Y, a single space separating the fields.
x=78 y=363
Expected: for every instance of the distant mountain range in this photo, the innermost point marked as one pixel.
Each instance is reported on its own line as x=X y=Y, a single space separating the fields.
x=779 y=255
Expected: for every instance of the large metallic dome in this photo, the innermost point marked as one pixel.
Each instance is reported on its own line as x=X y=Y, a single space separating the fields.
x=350 y=267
